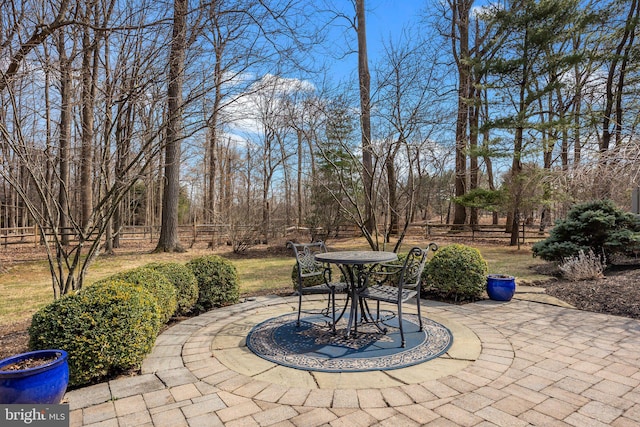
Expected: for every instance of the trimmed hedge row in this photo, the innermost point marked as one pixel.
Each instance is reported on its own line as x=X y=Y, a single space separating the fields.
x=217 y=282
x=184 y=282
x=107 y=328
x=157 y=284
x=110 y=326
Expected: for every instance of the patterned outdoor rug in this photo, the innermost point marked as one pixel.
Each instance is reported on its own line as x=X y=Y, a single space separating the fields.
x=312 y=346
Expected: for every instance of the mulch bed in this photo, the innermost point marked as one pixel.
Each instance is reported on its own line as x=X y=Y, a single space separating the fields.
x=618 y=293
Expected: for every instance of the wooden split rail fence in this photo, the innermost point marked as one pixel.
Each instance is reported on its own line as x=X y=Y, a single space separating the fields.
x=526 y=234
x=221 y=233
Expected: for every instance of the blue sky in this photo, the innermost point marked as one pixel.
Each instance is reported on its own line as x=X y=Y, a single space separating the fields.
x=385 y=21
x=387 y=18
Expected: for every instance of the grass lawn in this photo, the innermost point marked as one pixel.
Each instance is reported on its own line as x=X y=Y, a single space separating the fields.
x=26 y=286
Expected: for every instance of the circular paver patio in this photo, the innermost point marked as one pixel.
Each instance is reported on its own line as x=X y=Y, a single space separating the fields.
x=515 y=363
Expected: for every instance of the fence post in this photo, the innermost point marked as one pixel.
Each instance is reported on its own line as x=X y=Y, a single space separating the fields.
x=35 y=236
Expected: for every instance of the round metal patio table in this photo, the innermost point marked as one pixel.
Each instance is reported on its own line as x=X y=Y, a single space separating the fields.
x=353 y=265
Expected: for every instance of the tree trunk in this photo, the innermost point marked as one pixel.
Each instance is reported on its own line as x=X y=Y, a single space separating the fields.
x=267 y=174
x=516 y=170
x=460 y=45
x=473 y=149
x=299 y=179
x=212 y=164
x=123 y=146
x=105 y=163
x=228 y=180
x=249 y=184
x=365 y=115
x=577 y=139
x=49 y=161
x=613 y=88
x=393 y=197
x=620 y=86
x=212 y=147
x=64 y=142
x=169 y=239
x=89 y=71
x=287 y=181
x=488 y=162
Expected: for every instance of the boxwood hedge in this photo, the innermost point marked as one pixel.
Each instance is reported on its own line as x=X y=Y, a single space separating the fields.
x=457 y=272
x=157 y=284
x=106 y=328
x=183 y=280
x=217 y=282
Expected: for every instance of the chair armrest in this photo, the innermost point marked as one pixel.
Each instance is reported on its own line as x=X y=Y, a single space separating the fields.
x=391 y=267
x=384 y=274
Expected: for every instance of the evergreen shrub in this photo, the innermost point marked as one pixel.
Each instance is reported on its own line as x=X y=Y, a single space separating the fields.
x=457 y=272
x=597 y=226
x=183 y=280
x=106 y=328
x=217 y=282
x=157 y=284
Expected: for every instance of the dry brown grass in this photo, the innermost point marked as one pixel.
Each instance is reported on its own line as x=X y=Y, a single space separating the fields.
x=25 y=283
x=25 y=286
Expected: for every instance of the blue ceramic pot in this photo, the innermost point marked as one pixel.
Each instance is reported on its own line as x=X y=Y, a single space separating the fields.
x=501 y=287
x=44 y=384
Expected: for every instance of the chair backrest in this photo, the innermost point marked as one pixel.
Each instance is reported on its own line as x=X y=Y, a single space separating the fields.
x=305 y=259
x=411 y=274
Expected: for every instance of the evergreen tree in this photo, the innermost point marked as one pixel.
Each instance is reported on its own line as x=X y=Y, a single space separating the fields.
x=336 y=189
x=524 y=71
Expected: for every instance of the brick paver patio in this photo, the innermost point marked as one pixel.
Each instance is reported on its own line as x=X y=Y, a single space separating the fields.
x=512 y=364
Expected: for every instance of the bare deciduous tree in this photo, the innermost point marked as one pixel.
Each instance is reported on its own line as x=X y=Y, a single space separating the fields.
x=169 y=239
x=364 y=79
x=406 y=82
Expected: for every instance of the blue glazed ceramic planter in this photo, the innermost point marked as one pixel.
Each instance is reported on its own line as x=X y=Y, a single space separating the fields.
x=44 y=384
x=501 y=287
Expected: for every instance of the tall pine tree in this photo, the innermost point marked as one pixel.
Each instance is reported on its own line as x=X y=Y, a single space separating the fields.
x=523 y=72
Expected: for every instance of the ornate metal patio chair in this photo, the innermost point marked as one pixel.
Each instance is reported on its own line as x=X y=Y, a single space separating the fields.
x=397 y=283
x=314 y=277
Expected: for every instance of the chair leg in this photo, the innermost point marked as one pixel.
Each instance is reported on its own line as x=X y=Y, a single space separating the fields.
x=332 y=297
x=419 y=314
x=400 y=324
x=354 y=313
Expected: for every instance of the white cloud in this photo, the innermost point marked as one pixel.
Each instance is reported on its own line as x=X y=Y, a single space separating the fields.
x=243 y=115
